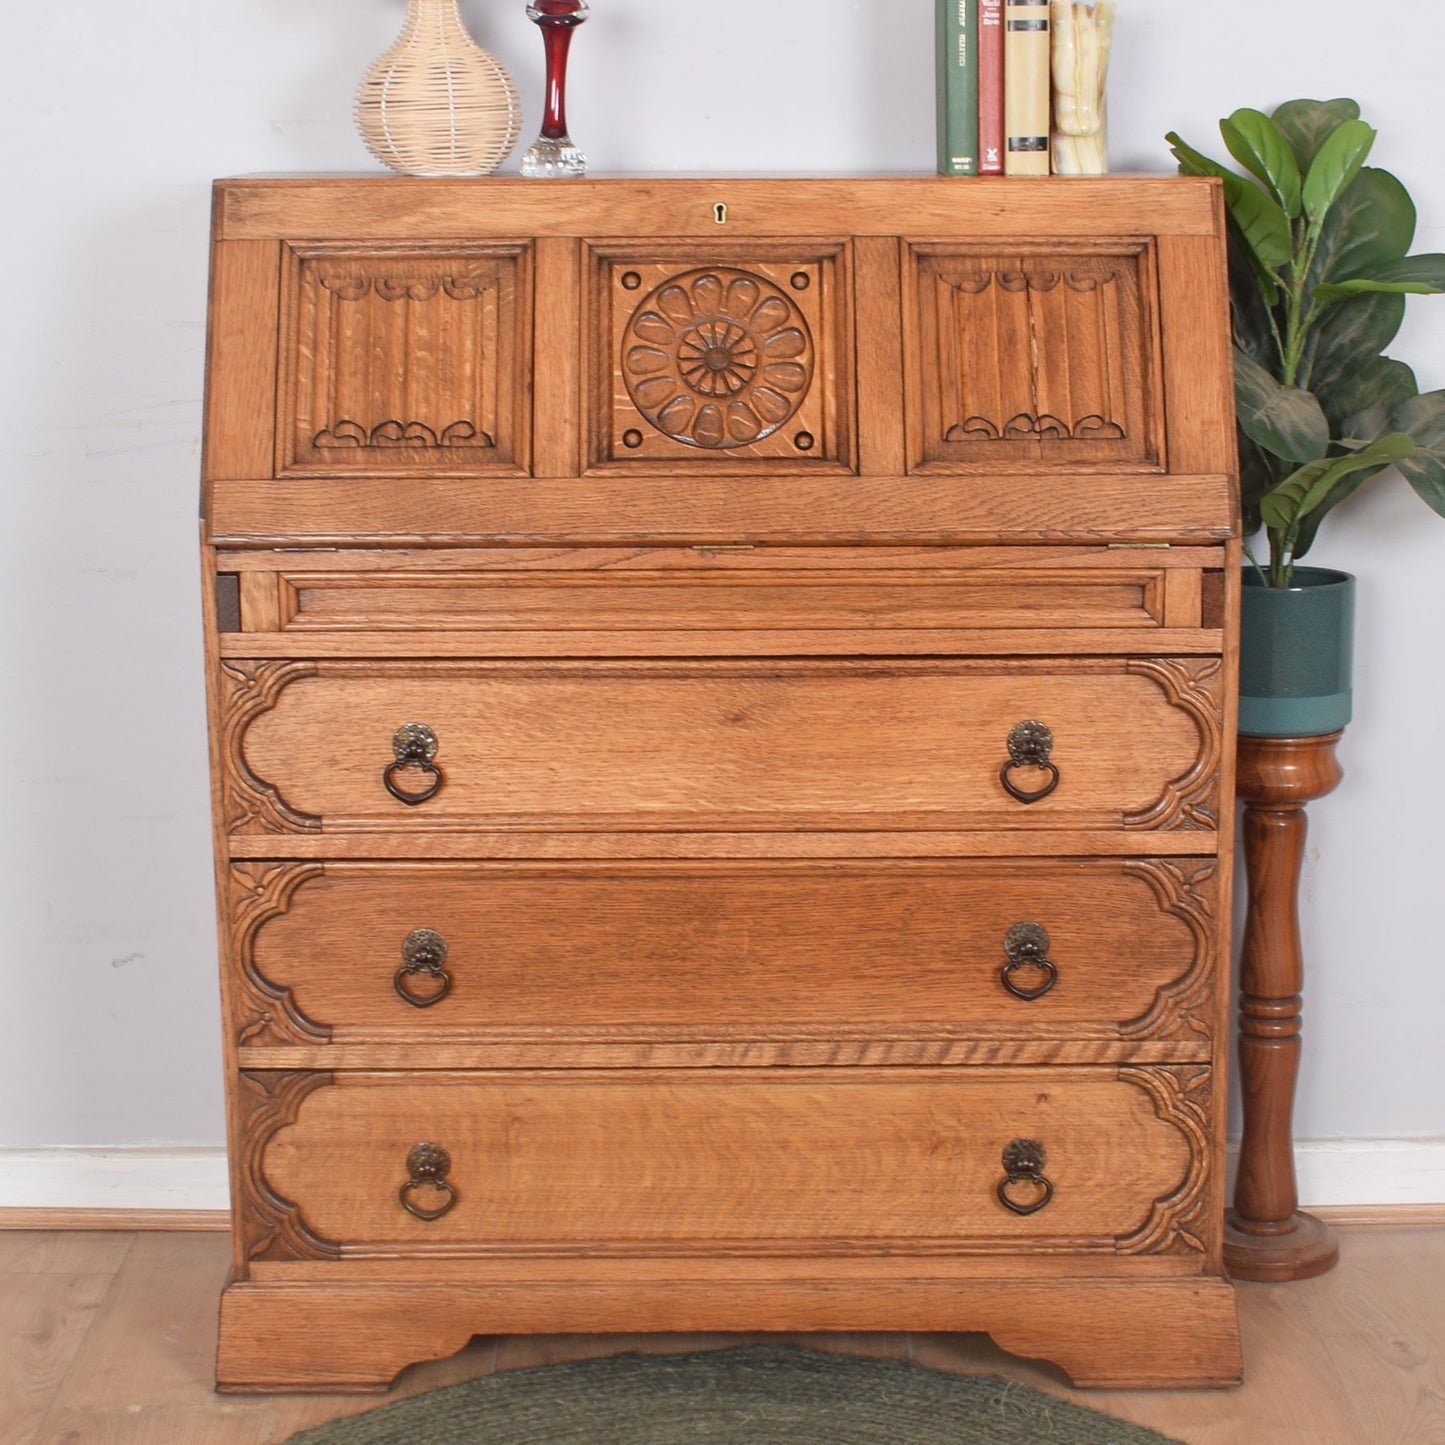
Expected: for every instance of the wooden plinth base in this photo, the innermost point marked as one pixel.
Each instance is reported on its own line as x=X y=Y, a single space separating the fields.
x=355 y=1337
x=1306 y=1248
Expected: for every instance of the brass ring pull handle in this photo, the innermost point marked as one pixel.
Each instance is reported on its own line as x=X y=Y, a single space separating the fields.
x=428 y=1165
x=1023 y=1189
x=1027 y=946
x=415 y=745
x=423 y=953
x=1029 y=745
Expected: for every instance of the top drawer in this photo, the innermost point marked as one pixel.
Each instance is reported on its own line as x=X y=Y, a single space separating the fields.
x=721 y=745
x=733 y=378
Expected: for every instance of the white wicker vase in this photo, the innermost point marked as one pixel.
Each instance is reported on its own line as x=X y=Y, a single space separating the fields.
x=436 y=104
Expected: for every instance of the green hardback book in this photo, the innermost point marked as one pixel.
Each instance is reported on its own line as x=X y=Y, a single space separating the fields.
x=957 y=44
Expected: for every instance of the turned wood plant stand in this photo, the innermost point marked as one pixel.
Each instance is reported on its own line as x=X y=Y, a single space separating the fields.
x=1267 y=1237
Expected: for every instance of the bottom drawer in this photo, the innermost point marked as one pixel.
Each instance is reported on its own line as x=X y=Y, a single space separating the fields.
x=797 y=1161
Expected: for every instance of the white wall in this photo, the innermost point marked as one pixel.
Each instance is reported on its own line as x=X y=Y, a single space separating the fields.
x=118 y=117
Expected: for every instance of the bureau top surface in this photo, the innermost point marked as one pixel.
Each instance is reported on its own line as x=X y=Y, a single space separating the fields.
x=379 y=207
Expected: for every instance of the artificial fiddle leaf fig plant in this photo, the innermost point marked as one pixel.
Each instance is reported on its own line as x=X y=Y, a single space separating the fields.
x=1319 y=272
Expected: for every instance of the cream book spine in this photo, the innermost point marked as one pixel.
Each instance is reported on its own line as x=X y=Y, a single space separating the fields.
x=1026 y=88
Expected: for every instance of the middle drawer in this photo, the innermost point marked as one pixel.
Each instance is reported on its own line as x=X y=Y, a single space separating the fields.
x=780 y=958
x=820 y=744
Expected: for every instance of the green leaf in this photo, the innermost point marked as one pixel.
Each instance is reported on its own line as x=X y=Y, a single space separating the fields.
x=1193 y=162
x=1350 y=334
x=1306 y=123
x=1252 y=291
x=1309 y=526
x=1257 y=476
x=1336 y=164
x=1306 y=489
x=1362 y=286
x=1261 y=221
x=1368 y=228
x=1257 y=144
x=1374 y=387
x=1284 y=420
x=1426 y=266
x=1423 y=419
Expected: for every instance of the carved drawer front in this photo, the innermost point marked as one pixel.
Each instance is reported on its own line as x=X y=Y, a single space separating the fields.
x=694 y=746
x=1038 y=358
x=596 y=591
x=800 y=961
x=407 y=360
x=754 y=1161
x=736 y=360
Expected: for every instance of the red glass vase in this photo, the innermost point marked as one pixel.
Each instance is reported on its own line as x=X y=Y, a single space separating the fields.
x=553 y=153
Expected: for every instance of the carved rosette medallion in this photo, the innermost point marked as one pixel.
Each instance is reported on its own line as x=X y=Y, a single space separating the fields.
x=717 y=358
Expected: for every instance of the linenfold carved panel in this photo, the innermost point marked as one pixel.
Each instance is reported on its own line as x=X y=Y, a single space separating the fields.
x=719 y=361
x=404 y=361
x=1040 y=358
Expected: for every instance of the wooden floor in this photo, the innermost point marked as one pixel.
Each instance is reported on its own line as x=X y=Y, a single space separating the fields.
x=107 y=1339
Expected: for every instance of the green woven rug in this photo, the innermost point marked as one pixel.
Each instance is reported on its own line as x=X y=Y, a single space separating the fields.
x=756 y=1395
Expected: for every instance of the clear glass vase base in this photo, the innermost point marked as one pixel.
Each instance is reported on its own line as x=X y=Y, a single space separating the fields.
x=549 y=160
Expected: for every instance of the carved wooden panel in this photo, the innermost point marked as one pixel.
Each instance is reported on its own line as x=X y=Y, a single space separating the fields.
x=270 y=1224
x=1037 y=357
x=266 y=1012
x=720 y=357
x=1186 y=1219
x=410 y=361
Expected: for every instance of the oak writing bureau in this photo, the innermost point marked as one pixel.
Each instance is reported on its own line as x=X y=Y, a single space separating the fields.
x=722 y=702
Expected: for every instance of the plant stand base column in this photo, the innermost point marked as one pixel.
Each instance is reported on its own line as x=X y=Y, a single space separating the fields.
x=1266 y=1236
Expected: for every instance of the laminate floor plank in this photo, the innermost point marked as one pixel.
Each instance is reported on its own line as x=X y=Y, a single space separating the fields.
x=153 y=1341
x=159 y=1425
x=1292 y=1393
x=55 y=1251
x=1385 y=1329
x=44 y=1318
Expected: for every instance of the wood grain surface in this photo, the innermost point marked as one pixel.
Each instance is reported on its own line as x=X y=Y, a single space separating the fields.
x=797 y=1162
x=651 y=952
x=718 y=745
x=722 y=531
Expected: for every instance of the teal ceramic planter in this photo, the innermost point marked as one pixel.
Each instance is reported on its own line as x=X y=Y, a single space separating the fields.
x=1296 y=647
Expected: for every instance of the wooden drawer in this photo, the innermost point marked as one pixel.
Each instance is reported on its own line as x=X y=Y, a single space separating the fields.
x=702 y=1161
x=719 y=745
x=787 y=962
x=582 y=594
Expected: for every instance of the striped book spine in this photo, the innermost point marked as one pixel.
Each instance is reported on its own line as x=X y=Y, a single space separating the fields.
x=1026 y=87
x=957 y=87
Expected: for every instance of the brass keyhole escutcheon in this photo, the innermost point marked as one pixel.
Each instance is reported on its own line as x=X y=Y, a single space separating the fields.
x=720 y=213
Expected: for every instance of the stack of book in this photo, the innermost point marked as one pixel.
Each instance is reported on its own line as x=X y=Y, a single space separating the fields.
x=995 y=59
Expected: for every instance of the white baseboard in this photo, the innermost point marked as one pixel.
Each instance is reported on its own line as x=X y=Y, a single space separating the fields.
x=1336 y=1172
x=1331 y=1172
x=160 y=1180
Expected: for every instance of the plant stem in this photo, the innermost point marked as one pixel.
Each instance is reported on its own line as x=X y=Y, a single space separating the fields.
x=1254 y=562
